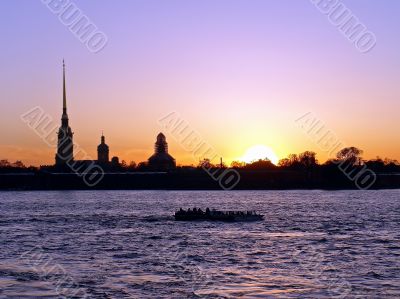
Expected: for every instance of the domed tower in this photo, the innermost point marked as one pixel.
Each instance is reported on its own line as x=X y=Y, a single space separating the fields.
x=161 y=145
x=161 y=160
x=103 y=151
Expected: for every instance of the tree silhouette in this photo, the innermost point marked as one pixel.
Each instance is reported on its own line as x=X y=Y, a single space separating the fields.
x=261 y=164
x=18 y=164
x=205 y=163
x=308 y=159
x=132 y=165
x=123 y=164
x=351 y=155
x=237 y=164
x=4 y=163
x=285 y=162
x=292 y=162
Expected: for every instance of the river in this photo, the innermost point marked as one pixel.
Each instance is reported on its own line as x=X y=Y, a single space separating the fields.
x=126 y=244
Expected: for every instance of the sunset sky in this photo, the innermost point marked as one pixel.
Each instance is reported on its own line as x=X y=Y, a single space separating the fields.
x=238 y=72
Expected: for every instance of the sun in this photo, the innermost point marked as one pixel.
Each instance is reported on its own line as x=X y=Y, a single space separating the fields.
x=258 y=152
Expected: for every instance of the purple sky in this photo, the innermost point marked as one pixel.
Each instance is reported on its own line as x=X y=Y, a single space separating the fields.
x=240 y=72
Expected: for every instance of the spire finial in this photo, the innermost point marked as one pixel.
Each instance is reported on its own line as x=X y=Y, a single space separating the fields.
x=64 y=91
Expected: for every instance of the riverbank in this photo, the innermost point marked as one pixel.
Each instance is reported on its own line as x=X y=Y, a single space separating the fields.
x=193 y=180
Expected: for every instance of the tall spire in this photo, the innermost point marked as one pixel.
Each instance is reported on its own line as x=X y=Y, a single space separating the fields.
x=65 y=145
x=64 y=92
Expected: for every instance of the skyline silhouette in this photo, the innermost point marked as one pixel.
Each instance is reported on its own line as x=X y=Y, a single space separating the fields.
x=251 y=82
x=253 y=154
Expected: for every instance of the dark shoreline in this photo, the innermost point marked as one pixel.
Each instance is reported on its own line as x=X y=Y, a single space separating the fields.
x=195 y=180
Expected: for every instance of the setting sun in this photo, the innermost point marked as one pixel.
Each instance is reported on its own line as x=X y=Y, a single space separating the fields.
x=258 y=152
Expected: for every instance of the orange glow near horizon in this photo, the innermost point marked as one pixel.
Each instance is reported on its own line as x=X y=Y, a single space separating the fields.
x=239 y=80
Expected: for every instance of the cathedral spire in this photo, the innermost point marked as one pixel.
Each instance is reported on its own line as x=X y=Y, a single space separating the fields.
x=64 y=92
x=65 y=145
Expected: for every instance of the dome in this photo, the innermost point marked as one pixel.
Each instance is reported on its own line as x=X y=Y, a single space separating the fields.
x=162 y=157
x=161 y=137
x=161 y=160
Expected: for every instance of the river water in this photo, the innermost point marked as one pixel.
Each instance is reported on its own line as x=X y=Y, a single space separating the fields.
x=125 y=244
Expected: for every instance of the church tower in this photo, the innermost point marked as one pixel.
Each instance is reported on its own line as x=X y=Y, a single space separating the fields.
x=65 y=144
x=161 y=145
x=161 y=159
x=103 y=151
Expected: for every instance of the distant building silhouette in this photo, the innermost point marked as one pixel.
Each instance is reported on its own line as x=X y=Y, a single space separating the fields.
x=161 y=160
x=103 y=152
x=65 y=143
x=115 y=161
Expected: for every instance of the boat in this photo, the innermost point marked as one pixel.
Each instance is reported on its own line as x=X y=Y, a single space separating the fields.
x=214 y=215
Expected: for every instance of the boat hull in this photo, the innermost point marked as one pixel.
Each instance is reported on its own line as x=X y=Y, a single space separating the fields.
x=220 y=217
